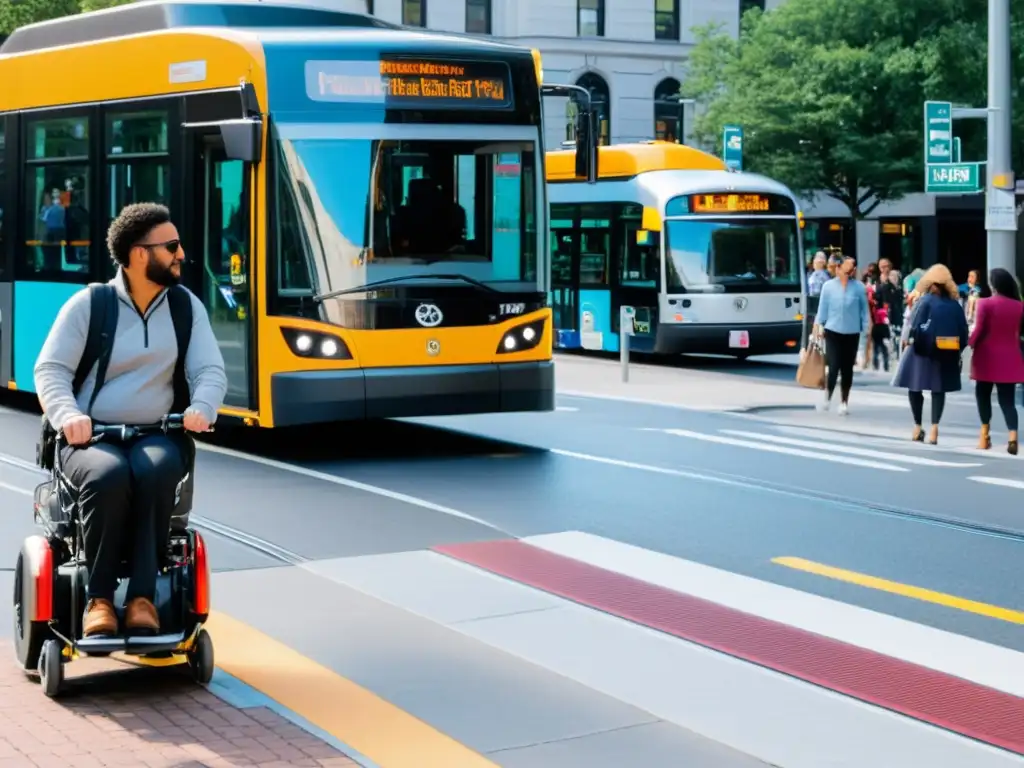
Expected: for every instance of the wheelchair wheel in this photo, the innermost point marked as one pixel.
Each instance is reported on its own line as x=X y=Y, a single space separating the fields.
x=28 y=635
x=51 y=668
x=200 y=658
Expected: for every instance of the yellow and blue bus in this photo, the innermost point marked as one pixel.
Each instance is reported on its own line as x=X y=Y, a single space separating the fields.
x=363 y=206
x=710 y=260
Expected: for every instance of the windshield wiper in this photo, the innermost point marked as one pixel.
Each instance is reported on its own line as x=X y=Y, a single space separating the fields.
x=405 y=278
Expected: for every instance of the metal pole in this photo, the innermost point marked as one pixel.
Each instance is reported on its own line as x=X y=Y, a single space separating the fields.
x=1002 y=241
x=624 y=351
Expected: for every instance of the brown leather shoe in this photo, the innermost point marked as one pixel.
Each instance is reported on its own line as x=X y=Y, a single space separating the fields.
x=100 y=618
x=140 y=613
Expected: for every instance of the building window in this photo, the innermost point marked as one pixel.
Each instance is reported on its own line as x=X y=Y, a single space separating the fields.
x=57 y=205
x=746 y=5
x=600 y=99
x=369 y=7
x=478 y=17
x=668 y=112
x=590 y=18
x=666 y=20
x=414 y=13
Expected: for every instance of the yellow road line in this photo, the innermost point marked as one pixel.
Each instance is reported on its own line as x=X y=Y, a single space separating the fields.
x=905 y=590
x=387 y=735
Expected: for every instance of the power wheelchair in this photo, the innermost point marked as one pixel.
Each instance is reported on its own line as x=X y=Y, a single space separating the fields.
x=51 y=574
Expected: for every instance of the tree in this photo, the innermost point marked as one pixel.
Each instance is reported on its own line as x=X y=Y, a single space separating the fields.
x=18 y=13
x=830 y=92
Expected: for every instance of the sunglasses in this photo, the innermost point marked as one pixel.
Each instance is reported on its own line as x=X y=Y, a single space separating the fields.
x=172 y=246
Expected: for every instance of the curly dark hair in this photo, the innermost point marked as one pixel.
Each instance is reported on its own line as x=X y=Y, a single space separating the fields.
x=131 y=227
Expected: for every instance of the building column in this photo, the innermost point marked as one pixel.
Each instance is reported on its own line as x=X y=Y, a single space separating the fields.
x=867 y=235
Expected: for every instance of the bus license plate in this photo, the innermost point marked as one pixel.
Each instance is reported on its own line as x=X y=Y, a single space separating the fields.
x=739 y=339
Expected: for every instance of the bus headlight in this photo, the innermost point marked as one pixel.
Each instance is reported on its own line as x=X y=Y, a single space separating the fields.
x=322 y=346
x=521 y=337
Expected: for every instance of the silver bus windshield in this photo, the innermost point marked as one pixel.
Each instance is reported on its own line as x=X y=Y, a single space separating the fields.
x=735 y=254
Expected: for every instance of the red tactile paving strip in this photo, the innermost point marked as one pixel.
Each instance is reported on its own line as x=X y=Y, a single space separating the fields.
x=936 y=698
x=149 y=718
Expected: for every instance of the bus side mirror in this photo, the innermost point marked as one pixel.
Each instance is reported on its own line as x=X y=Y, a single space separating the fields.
x=586 y=146
x=243 y=139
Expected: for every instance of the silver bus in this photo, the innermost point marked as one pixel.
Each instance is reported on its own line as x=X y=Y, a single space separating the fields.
x=710 y=260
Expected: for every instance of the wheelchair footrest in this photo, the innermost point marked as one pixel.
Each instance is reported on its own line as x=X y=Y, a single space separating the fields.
x=133 y=646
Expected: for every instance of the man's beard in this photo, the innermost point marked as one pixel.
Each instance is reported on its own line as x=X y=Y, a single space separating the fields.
x=160 y=274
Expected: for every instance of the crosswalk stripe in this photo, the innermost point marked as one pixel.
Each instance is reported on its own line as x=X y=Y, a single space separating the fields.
x=849 y=449
x=850 y=461
x=1003 y=482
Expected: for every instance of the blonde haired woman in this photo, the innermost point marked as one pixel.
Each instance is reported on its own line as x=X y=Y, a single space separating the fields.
x=934 y=337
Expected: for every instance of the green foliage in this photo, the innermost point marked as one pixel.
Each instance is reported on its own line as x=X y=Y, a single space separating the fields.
x=830 y=92
x=18 y=13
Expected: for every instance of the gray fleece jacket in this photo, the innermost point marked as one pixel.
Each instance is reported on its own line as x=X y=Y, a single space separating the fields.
x=138 y=387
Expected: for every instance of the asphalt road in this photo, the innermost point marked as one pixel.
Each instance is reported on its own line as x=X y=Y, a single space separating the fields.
x=724 y=490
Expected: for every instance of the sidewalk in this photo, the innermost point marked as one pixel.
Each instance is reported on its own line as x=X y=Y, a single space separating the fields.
x=692 y=389
x=148 y=718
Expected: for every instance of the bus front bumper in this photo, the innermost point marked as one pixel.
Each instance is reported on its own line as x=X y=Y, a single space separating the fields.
x=310 y=397
x=700 y=339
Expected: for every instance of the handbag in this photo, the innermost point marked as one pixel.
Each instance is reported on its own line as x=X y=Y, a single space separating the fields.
x=810 y=372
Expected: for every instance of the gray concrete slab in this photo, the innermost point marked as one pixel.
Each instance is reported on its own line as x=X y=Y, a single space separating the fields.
x=653 y=745
x=486 y=699
x=434 y=586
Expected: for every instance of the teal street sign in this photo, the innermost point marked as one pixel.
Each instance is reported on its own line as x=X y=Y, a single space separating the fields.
x=732 y=147
x=938 y=132
x=956 y=149
x=960 y=178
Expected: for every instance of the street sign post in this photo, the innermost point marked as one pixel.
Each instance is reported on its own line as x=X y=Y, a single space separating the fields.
x=961 y=178
x=938 y=132
x=944 y=169
x=732 y=147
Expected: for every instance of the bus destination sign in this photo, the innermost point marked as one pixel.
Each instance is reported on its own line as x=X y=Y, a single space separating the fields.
x=733 y=203
x=412 y=83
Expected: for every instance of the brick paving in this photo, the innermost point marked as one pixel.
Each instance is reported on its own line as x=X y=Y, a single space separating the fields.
x=142 y=718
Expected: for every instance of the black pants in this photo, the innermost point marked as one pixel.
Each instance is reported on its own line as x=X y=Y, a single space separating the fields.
x=1005 y=394
x=879 y=347
x=126 y=498
x=840 y=356
x=917 y=406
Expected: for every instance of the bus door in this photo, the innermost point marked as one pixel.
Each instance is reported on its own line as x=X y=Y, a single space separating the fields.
x=636 y=283
x=220 y=229
x=565 y=277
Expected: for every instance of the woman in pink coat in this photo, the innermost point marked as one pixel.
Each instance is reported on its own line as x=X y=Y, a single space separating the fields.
x=997 y=360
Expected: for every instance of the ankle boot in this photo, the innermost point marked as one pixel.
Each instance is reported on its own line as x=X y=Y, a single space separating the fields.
x=1011 y=445
x=984 y=439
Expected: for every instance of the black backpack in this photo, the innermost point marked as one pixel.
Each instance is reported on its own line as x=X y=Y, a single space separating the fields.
x=104 y=308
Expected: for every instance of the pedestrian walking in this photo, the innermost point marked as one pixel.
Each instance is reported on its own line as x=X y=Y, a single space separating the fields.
x=934 y=339
x=842 y=318
x=997 y=361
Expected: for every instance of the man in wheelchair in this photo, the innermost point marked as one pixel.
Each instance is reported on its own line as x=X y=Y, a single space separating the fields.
x=129 y=352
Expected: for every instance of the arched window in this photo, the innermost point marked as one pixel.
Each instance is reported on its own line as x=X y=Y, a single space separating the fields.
x=600 y=98
x=668 y=112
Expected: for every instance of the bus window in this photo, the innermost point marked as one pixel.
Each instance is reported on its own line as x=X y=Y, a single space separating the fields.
x=595 y=244
x=743 y=254
x=4 y=205
x=470 y=203
x=293 y=273
x=57 y=205
x=639 y=265
x=138 y=165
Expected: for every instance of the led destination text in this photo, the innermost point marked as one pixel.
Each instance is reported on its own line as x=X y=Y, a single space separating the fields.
x=408 y=81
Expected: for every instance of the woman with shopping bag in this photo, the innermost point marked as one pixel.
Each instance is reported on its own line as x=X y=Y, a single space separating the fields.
x=842 y=319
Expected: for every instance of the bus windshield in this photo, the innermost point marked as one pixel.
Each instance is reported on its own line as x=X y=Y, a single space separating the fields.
x=364 y=210
x=726 y=255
